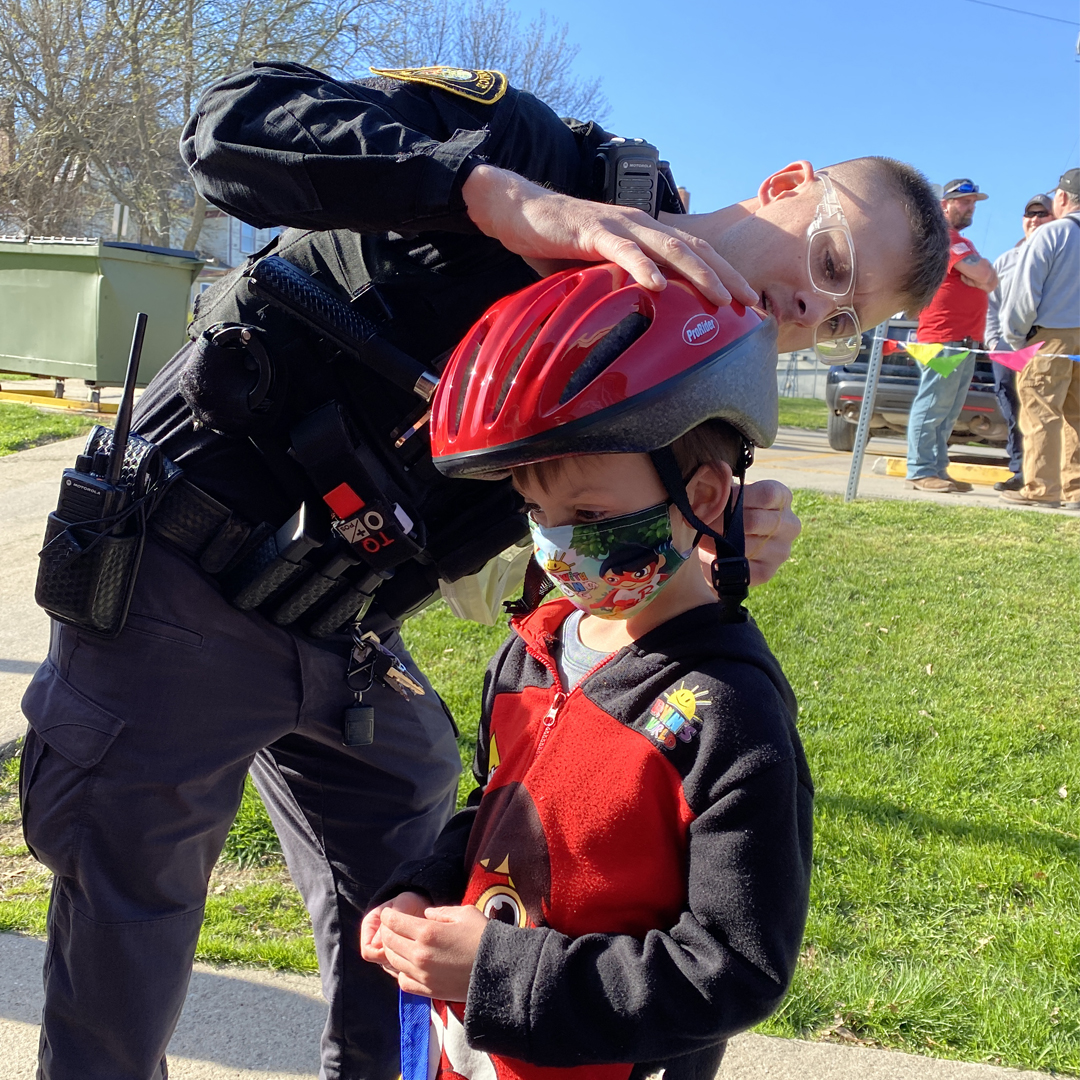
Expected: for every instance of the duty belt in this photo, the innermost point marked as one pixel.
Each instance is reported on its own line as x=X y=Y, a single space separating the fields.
x=255 y=564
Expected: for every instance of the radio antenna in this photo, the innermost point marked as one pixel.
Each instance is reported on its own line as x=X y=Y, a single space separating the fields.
x=127 y=402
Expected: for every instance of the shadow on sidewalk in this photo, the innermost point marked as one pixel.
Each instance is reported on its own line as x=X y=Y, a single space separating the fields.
x=235 y=1019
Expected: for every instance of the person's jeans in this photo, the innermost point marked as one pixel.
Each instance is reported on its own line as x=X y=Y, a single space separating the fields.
x=937 y=404
x=1009 y=404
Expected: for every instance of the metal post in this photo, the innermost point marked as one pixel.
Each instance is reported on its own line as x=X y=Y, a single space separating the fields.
x=862 y=433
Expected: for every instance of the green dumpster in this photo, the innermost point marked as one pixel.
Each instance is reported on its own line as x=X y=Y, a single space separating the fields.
x=67 y=307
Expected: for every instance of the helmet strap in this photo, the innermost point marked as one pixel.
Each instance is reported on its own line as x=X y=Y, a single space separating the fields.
x=537 y=586
x=730 y=570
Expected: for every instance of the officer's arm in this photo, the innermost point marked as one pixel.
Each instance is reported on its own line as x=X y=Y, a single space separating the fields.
x=282 y=144
x=547 y=228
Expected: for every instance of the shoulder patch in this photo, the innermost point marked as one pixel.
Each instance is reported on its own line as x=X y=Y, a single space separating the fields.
x=961 y=248
x=483 y=86
x=674 y=715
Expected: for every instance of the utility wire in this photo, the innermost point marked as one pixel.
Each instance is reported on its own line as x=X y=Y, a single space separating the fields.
x=1018 y=11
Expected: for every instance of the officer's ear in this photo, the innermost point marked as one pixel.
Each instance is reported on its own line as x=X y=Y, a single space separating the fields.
x=785 y=182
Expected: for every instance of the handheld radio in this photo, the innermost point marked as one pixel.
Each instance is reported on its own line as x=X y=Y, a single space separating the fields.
x=92 y=491
x=630 y=173
x=94 y=538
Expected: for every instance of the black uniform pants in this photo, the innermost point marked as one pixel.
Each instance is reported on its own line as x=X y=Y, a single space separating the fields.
x=132 y=772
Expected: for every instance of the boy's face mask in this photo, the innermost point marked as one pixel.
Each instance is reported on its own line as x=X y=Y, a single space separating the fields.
x=610 y=568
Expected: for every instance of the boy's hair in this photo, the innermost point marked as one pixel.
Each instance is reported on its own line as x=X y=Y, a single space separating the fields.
x=709 y=443
x=927 y=227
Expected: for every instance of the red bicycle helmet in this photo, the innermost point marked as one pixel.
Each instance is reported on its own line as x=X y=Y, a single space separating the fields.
x=587 y=361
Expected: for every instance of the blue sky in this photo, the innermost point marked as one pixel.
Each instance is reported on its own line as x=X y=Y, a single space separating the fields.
x=732 y=91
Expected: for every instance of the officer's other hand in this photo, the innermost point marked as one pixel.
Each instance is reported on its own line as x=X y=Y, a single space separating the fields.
x=543 y=225
x=371 y=943
x=770 y=528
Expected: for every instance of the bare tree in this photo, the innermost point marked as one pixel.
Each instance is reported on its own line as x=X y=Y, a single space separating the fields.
x=94 y=93
x=489 y=34
x=93 y=96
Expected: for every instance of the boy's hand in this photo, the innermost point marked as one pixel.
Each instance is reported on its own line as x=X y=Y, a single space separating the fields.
x=434 y=955
x=769 y=525
x=371 y=946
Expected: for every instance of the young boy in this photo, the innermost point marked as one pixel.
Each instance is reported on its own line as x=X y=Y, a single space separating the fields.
x=632 y=872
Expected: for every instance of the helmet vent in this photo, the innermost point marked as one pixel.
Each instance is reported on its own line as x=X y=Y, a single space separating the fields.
x=463 y=388
x=515 y=367
x=604 y=353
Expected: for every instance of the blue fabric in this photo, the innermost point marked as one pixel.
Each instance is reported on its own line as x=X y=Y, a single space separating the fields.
x=937 y=404
x=1005 y=392
x=414 y=1013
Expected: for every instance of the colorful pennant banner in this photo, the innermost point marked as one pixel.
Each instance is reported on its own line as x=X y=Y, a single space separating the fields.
x=945 y=359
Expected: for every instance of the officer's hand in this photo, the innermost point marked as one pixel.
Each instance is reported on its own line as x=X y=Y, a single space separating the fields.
x=769 y=526
x=434 y=955
x=544 y=225
x=371 y=944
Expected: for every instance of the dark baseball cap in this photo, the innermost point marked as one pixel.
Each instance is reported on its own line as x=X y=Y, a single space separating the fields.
x=955 y=188
x=1070 y=182
x=1040 y=200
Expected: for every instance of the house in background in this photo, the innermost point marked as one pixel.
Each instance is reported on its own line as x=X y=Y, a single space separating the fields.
x=226 y=242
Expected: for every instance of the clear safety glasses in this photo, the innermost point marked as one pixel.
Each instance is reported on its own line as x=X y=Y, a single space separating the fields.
x=830 y=254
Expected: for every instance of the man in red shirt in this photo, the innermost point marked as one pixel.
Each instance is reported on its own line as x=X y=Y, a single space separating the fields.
x=956 y=316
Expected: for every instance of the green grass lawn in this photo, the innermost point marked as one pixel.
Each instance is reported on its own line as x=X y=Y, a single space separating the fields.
x=23 y=426
x=804 y=412
x=934 y=653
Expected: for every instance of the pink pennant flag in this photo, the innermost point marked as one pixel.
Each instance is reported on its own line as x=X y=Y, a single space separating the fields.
x=1018 y=360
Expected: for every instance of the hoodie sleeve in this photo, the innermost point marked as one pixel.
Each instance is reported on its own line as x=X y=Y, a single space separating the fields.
x=724 y=966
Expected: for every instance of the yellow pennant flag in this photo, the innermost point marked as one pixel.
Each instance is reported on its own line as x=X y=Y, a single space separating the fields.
x=923 y=353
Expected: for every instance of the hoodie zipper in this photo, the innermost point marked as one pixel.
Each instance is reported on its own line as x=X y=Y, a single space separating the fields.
x=547 y=723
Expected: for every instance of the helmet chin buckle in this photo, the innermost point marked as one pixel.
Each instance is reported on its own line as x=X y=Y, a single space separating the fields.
x=731 y=578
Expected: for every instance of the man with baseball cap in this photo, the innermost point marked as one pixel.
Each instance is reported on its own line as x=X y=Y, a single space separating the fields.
x=1042 y=303
x=956 y=316
x=1038 y=210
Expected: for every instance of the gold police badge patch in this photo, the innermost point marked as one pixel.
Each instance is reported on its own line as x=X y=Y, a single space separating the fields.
x=484 y=86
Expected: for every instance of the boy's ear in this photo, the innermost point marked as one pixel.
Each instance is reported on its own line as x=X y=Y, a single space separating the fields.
x=785 y=181
x=708 y=491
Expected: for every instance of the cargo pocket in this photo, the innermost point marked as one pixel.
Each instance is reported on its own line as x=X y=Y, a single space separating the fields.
x=69 y=736
x=68 y=721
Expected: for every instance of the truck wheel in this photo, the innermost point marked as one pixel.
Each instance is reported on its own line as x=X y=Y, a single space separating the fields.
x=841 y=433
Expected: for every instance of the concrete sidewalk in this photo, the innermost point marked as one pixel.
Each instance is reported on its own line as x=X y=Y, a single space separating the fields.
x=240 y=1024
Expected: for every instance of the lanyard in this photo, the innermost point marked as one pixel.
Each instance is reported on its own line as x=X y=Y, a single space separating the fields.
x=415 y=1015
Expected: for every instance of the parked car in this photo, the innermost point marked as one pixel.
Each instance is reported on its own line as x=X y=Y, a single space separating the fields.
x=980 y=419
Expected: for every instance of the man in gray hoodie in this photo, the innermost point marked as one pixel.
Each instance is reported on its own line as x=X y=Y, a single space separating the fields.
x=1043 y=304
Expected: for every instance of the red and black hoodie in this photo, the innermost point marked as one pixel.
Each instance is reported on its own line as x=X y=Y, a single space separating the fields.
x=642 y=849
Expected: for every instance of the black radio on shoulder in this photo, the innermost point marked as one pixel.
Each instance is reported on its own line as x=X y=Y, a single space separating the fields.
x=629 y=174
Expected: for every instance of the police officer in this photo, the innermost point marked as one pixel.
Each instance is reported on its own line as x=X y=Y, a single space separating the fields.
x=417 y=198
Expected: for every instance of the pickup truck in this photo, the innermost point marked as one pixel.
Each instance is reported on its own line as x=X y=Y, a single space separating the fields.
x=980 y=419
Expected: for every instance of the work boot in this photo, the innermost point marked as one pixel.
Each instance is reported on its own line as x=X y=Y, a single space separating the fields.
x=1014 y=483
x=1016 y=498
x=933 y=483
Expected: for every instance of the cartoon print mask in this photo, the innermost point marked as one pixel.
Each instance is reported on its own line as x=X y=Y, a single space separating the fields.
x=610 y=568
